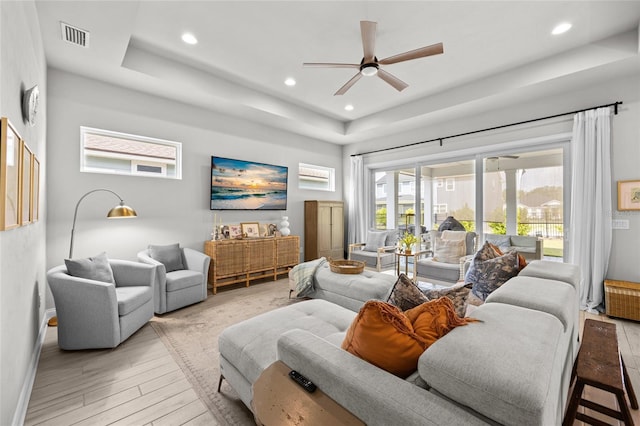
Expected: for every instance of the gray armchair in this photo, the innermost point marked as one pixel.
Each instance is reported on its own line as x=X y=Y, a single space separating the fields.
x=378 y=251
x=186 y=281
x=95 y=314
x=444 y=273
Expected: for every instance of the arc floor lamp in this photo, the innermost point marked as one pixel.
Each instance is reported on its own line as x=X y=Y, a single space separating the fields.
x=119 y=211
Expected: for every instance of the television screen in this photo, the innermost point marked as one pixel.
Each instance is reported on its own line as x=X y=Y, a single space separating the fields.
x=245 y=185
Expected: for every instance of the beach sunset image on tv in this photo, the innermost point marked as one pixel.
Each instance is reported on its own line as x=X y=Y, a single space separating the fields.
x=246 y=185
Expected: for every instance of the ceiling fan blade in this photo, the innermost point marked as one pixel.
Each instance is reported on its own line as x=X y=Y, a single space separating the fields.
x=348 y=85
x=329 y=65
x=434 y=49
x=368 y=31
x=397 y=84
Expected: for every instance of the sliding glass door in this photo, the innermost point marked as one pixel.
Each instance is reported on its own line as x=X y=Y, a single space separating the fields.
x=514 y=193
x=523 y=194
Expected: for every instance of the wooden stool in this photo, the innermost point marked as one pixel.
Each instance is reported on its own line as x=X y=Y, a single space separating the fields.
x=600 y=365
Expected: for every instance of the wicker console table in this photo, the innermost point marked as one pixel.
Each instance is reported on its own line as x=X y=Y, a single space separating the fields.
x=236 y=261
x=622 y=299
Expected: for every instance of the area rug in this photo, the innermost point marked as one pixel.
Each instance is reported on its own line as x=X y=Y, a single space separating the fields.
x=191 y=336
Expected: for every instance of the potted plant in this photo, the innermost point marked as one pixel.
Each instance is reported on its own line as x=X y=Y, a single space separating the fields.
x=408 y=241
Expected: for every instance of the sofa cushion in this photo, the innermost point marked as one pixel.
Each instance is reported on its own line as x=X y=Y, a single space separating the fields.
x=553 y=297
x=559 y=271
x=184 y=278
x=358 y=287
x=487 y=275
x=131 y=298
x=383 y=336
x=251 y=344
x=502 y=241
x=522 y=241
x=370 y=258
x=169 y=255
x=95 y=268
x=375 y=240
x=405 y=294
x=507 y=367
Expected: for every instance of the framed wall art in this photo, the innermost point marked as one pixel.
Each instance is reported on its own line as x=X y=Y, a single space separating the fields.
x=9 y=176
x=629 y=195
x=25 y=185
x=35 y=191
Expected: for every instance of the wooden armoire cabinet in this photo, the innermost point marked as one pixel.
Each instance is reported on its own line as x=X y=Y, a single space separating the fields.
x=323 y=229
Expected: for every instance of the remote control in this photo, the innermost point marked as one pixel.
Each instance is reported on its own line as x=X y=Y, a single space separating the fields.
x=302 y=381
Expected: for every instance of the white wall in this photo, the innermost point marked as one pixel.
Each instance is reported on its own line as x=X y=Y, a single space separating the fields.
x=625 y=150
x=168 y=210
x=22 y=250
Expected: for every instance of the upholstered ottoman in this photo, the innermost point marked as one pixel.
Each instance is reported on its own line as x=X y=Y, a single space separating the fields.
x=350 y=290
x=247 y=348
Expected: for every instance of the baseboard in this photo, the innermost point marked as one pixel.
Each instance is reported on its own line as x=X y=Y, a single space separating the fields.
x=23 y=401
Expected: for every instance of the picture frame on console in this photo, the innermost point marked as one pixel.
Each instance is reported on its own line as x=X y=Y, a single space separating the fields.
x=235 y=231
x=250 y=229
x=628 y=195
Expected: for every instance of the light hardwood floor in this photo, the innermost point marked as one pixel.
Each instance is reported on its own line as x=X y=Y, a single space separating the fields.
x=139 y=383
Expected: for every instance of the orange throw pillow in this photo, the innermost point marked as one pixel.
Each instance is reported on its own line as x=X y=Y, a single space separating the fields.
x=434 y=319
x=382 y=335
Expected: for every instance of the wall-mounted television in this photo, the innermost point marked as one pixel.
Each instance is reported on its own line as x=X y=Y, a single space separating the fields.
x=246 y=185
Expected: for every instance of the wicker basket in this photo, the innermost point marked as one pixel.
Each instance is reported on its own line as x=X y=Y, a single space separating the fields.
x=622 y=299
x=346 y=266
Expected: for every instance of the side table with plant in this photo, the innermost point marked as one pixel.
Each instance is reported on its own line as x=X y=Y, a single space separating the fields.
x=408 y=241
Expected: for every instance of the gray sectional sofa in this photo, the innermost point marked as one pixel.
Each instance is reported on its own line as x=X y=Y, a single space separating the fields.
x=512 y=368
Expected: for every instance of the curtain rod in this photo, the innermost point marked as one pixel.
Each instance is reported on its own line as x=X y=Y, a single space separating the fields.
x=614 y=105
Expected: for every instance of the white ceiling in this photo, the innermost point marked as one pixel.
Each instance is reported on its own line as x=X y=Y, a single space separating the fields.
x=493 y=51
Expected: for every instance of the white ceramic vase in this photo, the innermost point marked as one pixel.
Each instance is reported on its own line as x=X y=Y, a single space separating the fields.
x=284 y=226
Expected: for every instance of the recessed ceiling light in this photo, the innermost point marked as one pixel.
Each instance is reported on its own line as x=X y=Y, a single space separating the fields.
x=348 y=107
x=189 y=38
x=561 y=28
x=290 y=82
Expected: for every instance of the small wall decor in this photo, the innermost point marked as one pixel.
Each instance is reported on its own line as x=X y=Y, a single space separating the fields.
x=250 y=229
x=25 y=185
x=30 y=101
x=629 y=195
x=9 y=176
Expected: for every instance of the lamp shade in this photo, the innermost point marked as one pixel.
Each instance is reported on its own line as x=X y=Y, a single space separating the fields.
x=120 y=211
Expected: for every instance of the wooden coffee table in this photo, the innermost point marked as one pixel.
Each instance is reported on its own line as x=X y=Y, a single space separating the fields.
x=278 y=400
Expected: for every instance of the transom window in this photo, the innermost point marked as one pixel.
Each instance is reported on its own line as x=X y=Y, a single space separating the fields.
x=316 y=177
x=105 y=151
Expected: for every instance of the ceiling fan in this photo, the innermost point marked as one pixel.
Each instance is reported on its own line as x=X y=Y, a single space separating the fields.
x=370 y=65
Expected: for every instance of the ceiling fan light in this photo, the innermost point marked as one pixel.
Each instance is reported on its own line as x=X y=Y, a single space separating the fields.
x=369 y=70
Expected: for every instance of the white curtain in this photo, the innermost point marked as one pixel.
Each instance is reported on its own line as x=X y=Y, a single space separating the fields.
x=590 y=224
x=357 y=212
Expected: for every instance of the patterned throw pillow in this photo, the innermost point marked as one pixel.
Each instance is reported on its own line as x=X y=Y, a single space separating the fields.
x=488 y=275
x=449 y=251
x=405 y=294
x=457 y=293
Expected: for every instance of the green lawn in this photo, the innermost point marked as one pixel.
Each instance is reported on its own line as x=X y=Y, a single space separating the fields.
x=553 y=247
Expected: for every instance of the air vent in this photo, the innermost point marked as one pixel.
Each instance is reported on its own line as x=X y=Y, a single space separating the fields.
x=75 y=35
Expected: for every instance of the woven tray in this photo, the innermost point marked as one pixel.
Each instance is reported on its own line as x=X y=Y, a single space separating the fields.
x=346 y=266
